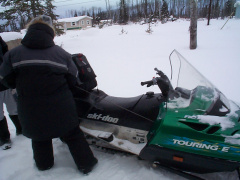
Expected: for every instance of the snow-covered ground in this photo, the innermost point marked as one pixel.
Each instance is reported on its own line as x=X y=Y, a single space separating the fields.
x=121 y=62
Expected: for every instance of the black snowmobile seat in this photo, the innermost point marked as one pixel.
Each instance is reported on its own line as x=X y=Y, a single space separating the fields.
x=113 y=103
x=100 y=100
x=136 y=112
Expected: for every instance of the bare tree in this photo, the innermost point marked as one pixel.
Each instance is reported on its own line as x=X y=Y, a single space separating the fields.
x=193 y=24
x=209 y=12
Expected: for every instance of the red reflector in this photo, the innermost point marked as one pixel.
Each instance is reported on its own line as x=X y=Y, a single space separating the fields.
x=79 y=56
x=179 y=159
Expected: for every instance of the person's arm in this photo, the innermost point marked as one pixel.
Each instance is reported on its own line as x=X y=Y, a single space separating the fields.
x=4 y=46
x=7 y=75
x=72 y=74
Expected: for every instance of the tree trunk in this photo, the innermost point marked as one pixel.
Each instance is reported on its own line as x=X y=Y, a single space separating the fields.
x=193 y=25
x=209 y=12
x=146 y=8
x=33 y=7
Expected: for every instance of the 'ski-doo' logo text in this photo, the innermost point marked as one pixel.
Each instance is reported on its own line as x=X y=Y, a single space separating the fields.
x=200 y=145
x=106 y=118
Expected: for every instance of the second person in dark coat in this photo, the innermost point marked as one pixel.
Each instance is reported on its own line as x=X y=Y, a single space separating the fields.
x=43 y=74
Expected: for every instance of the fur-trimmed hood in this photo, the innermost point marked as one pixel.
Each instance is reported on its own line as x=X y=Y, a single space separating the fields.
x=40 y=34
x=43 y=19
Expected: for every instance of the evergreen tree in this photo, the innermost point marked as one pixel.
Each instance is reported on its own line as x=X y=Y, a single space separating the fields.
x=93 y=15
x=156 y=10
x=229 y=7
x=16 y=16
x=19 y=12
x=146 y=8
x=36 y=7
x=49 y=8
x=97 y=20
x=164 y=12
x=216 y=10
x=123 y=15
x=205 y=11
x=75 y=14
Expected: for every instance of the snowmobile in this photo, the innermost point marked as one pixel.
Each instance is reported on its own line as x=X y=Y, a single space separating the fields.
x=189 y=127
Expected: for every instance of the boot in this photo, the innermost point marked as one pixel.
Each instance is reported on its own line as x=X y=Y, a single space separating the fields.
x=4 y=132
x=87 y=170
x=43 y=154
x=17 y=124
x=80 y=150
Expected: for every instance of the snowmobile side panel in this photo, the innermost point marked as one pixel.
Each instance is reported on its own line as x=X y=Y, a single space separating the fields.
x=118 y=137
x=186 y=128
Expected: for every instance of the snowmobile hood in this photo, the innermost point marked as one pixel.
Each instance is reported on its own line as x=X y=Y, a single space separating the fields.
x=197 y=118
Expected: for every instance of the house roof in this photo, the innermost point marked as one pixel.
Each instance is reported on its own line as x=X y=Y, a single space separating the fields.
x=73 y=19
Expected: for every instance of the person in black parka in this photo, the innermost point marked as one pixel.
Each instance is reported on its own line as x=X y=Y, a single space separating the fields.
x=8 y=98
x=44 y=75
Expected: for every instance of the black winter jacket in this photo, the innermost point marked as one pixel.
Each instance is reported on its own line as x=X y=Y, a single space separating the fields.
x=43 y=75
x=3 y=49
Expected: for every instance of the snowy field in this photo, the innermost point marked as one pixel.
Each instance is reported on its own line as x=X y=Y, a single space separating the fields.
x=121 y=62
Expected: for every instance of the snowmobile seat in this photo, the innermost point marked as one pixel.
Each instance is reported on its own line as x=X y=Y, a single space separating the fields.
x=136 y=112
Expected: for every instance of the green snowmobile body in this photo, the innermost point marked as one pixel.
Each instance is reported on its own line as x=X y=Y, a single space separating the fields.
x=187 y=129
x=197 y=128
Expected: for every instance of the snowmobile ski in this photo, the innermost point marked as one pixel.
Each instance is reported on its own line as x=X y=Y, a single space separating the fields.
x=176 y=171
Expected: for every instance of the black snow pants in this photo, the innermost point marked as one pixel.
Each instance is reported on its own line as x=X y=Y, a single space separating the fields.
x=77 y=144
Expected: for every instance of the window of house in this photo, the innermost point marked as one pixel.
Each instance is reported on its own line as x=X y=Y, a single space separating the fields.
x=73 y=23
x=82 y=22
x=88 y=22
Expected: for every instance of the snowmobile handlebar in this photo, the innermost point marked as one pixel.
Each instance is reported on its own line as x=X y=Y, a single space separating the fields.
x=154 y=81
x=160 y=73
x=163 y=82
x=149 y=83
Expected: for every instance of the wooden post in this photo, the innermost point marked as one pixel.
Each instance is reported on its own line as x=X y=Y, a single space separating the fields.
x=193 y=25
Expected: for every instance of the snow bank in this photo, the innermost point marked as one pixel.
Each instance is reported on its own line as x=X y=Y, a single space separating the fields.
x=9 y=36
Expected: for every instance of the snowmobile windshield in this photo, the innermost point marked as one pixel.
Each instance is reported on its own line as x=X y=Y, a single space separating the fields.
x=192 y=91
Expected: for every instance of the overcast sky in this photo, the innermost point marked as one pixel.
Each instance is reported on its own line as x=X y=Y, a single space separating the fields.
x=63 y=5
